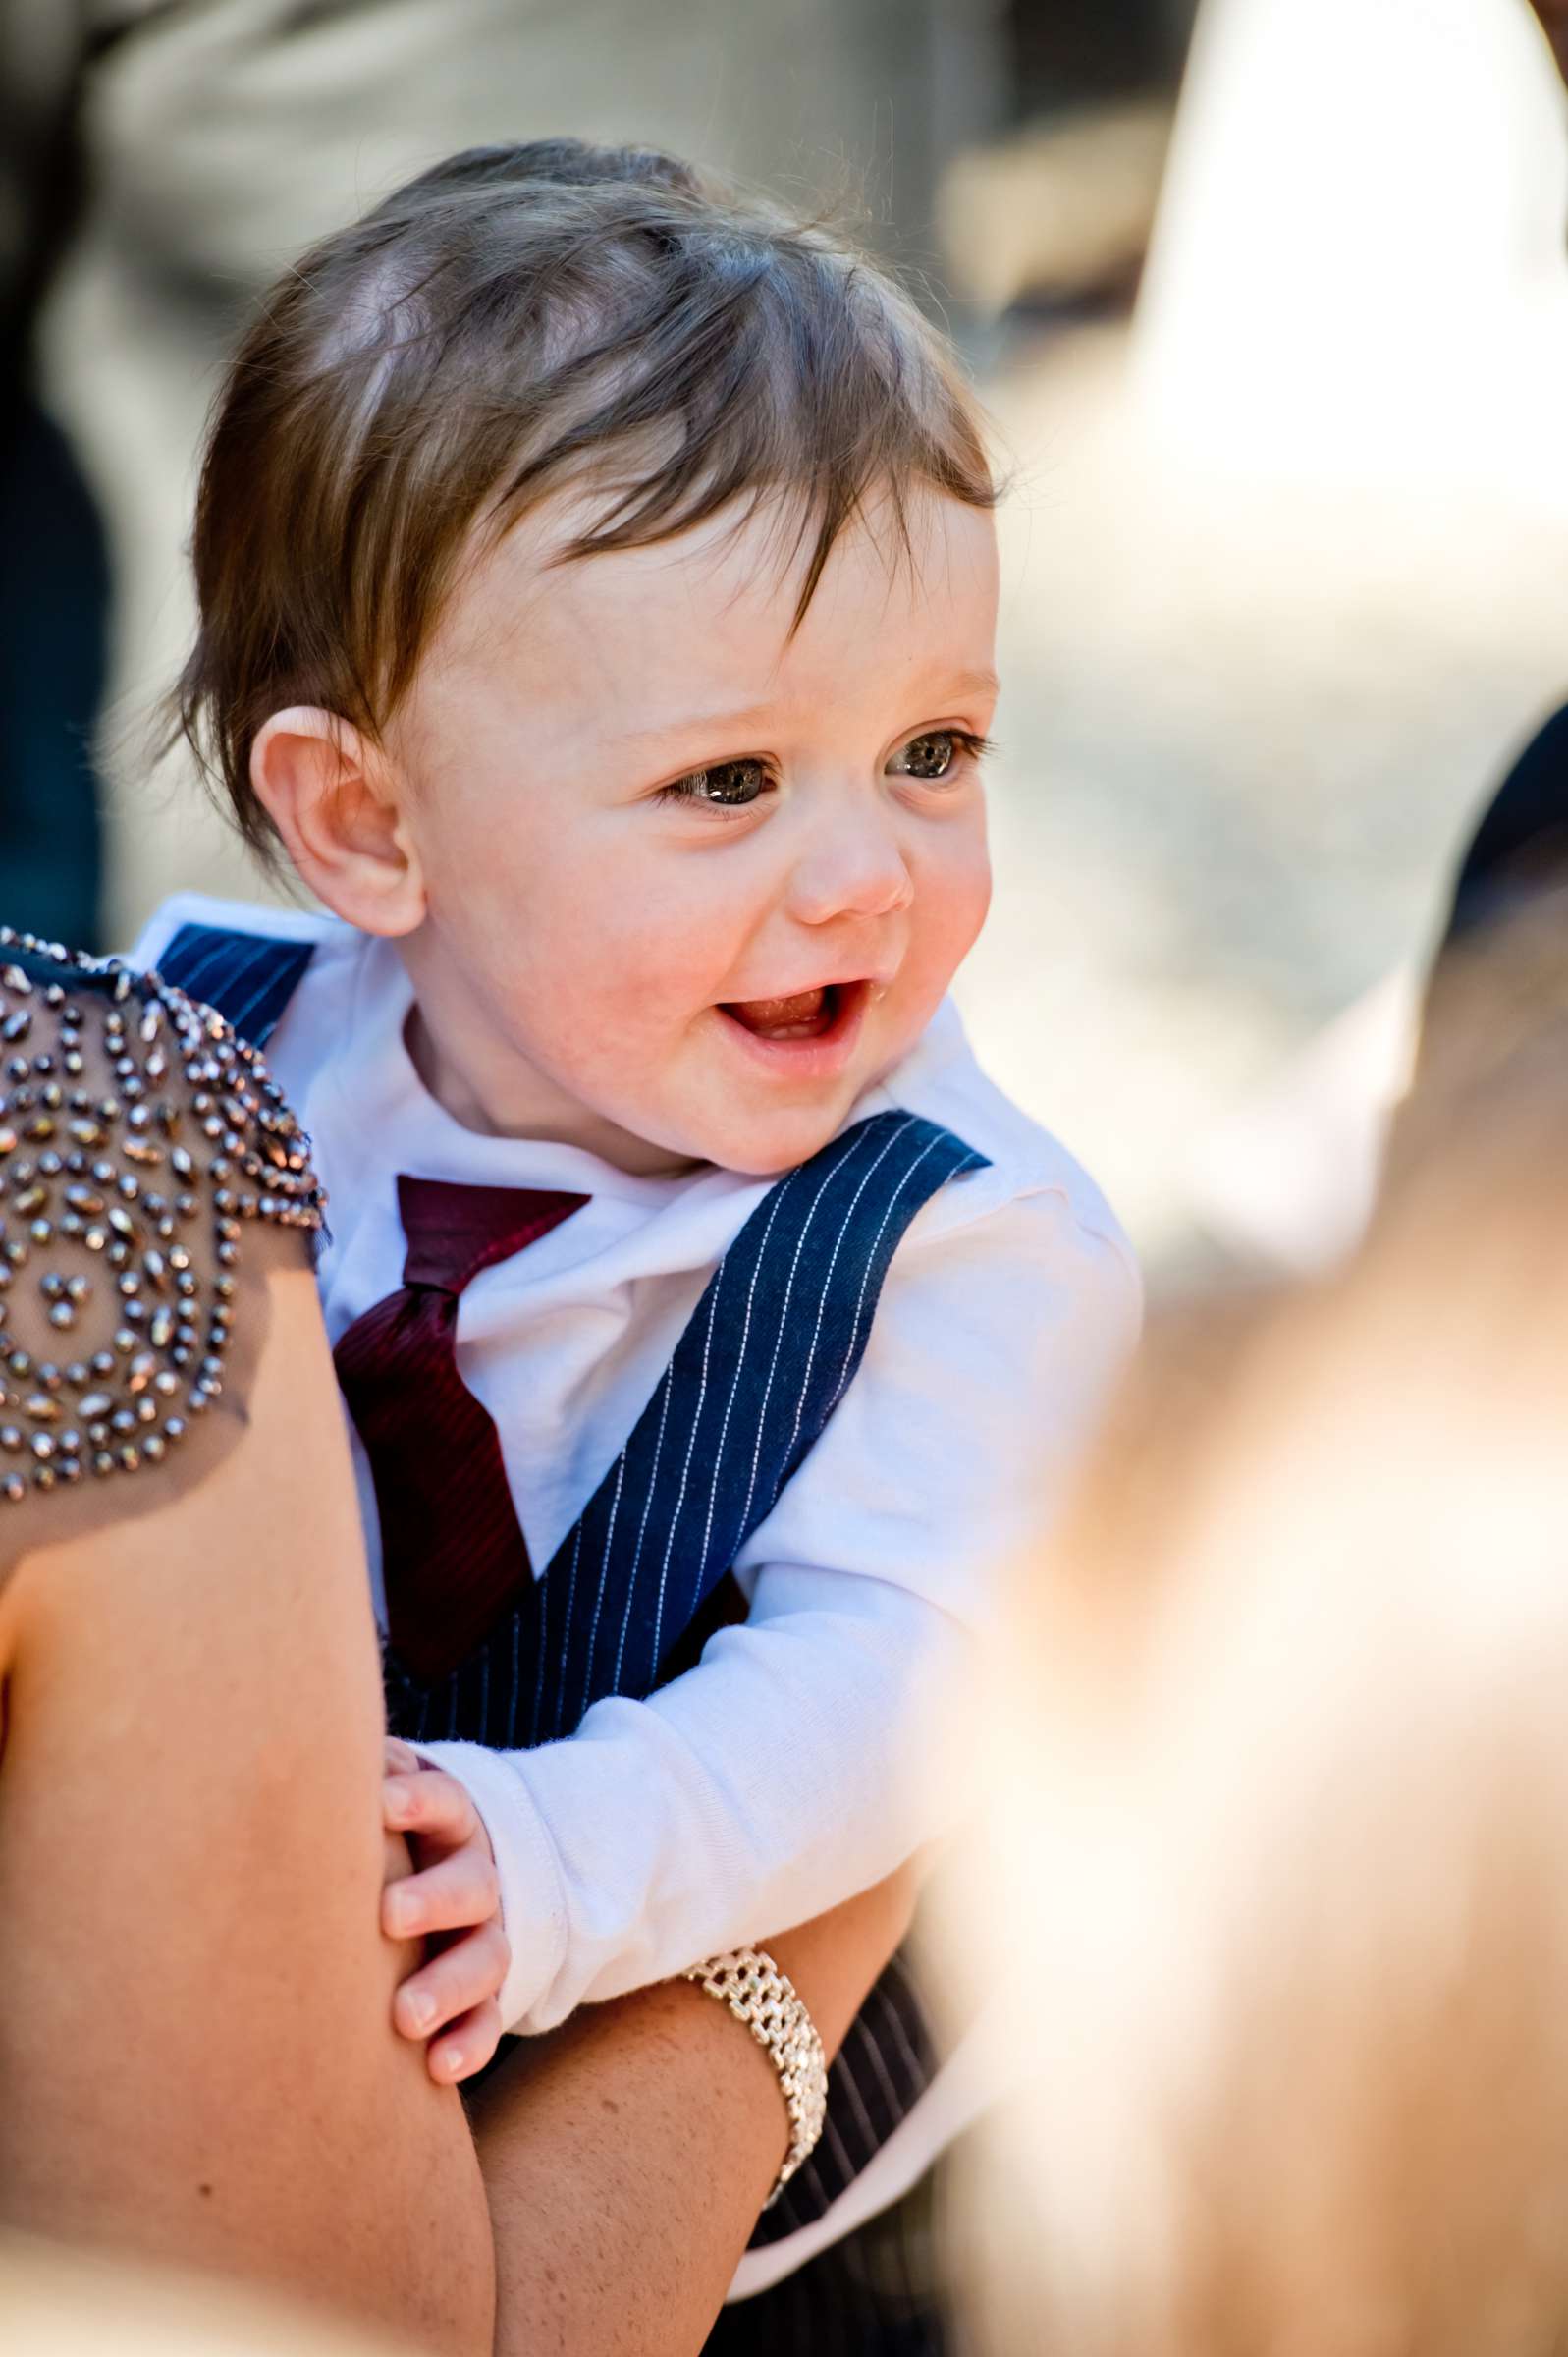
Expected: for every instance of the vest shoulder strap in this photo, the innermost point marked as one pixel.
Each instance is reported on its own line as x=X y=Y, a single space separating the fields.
x=248 y=977
x=771 y=1349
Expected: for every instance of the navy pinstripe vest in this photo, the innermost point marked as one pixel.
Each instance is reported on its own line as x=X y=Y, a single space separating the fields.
x=770 y=1350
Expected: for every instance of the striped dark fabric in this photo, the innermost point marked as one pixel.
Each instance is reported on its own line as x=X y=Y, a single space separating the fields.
x=879 y=2292
x=248 y=978
x=453 y=1551
x=884 y=2066
x=770 y=1350
x=768 y=1354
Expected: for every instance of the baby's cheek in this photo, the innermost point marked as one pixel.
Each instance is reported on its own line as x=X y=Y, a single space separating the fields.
x=977 y=906
x=956 y=906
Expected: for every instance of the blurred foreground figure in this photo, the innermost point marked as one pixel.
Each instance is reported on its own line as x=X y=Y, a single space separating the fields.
x=60 y=2303
x=1278 y=1878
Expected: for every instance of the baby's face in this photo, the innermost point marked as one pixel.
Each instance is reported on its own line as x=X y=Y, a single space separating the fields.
x=692 y=884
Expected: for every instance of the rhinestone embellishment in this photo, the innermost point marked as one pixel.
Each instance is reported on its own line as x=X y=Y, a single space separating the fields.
x=766 y=2000
x=101 y=1199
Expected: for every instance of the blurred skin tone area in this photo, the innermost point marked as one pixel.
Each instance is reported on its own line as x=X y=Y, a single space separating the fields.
x=1279 y=1787
x=675 y=881
x=60 y=2303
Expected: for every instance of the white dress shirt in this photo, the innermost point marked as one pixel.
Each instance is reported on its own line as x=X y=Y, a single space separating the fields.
x=782 y=1773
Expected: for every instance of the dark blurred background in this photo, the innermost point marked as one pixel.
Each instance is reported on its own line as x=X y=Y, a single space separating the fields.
x=1273 y=319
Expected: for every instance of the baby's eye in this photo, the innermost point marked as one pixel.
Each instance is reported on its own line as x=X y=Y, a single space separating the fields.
x=935 y=757
x=727 y=784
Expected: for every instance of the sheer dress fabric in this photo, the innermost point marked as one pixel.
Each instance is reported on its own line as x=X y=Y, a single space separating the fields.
x=150 y=1177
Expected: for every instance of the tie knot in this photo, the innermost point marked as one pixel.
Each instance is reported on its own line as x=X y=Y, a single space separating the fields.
x=453 y=1230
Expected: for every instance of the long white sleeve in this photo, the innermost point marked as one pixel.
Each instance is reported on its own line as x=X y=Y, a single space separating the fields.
x=772 y=1780
x=783 y=1773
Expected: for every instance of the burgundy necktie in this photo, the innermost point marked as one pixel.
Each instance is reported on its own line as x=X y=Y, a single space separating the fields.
x=452 y=1547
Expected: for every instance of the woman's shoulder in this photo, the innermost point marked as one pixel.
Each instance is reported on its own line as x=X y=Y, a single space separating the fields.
x=140 y=1142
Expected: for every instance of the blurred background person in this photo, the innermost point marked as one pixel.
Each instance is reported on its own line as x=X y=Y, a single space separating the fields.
x=54 y=585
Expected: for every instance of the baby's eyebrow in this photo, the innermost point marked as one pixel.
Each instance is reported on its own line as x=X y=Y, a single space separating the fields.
x=687 y=723
x=732 y=721
x=974 y=683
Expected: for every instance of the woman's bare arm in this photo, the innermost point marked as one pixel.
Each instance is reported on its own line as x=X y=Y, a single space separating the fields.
x=626 y=2157
x=196 y=2055
x=196 y=2051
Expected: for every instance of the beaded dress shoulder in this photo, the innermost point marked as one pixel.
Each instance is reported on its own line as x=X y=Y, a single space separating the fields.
x=141 y=1144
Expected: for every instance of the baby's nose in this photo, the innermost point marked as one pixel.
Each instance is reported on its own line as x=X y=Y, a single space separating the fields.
x=860 y=874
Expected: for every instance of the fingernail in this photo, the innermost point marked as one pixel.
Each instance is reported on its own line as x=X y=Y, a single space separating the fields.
x=420 y=2007
x=402 y=1910
x=452 y=2059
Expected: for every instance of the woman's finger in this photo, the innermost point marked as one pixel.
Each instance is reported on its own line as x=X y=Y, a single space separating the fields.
x=430 y=1803
x=467 y=2046
x=452 y=1983
x=458 y=1890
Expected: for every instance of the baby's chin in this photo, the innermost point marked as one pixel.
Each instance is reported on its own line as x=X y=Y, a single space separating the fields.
x=766 y=1146
x=651 y=1142
x=756 y=1130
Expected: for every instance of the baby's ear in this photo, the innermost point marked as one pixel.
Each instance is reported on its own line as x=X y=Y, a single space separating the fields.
x=335 y=799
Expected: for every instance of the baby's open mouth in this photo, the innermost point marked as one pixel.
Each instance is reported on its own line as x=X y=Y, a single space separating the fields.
x=805 y=1014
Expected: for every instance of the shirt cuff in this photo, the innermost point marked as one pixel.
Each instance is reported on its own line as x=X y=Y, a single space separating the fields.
x=534 y=1898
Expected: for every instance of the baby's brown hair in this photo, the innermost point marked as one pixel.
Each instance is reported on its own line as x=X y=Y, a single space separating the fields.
x=514 y=320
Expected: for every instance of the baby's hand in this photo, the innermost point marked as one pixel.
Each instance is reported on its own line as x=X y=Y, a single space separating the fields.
x=452 y=1889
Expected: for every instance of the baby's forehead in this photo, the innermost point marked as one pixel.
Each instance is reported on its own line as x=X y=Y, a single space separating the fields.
x=725 y=596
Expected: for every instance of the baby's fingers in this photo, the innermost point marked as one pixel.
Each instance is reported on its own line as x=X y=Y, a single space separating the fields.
x=460 y=1890
x=466 y=2047
x=452 y=1983
x=431 y=1804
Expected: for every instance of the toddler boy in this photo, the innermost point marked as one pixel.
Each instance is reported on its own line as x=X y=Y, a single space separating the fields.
x=598 y=585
